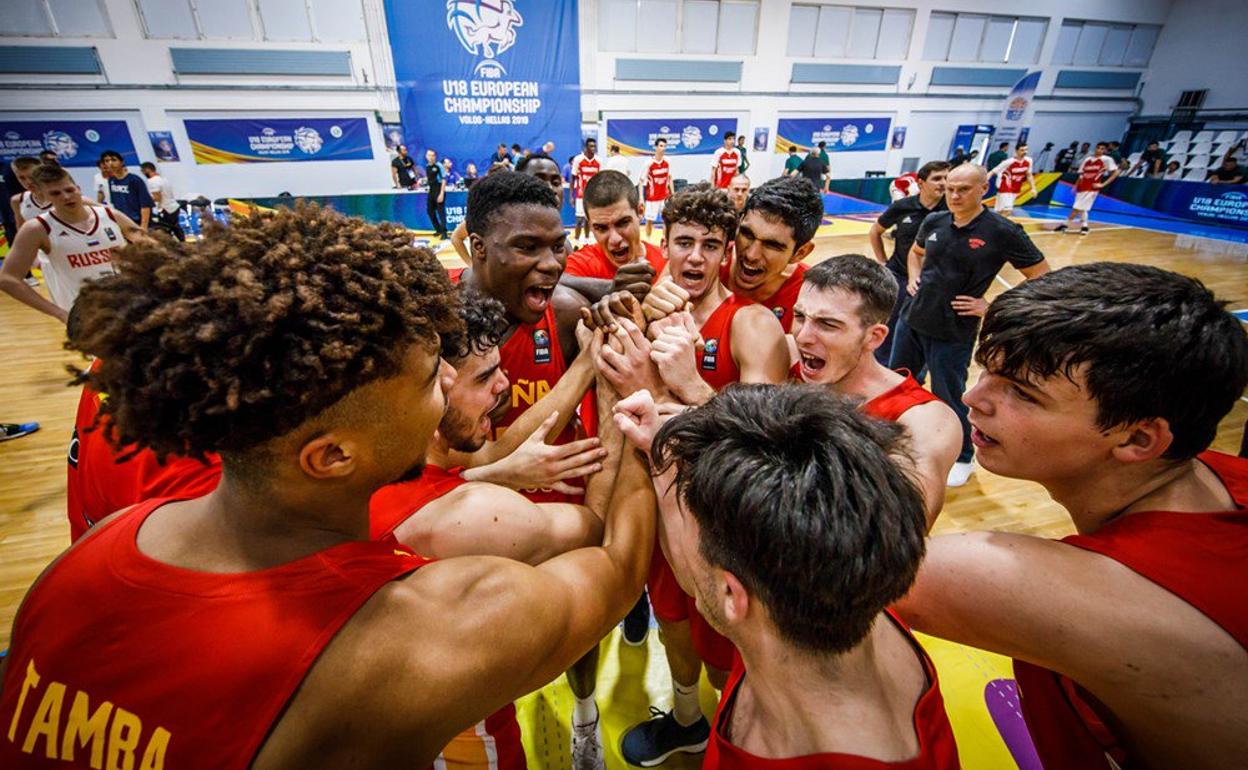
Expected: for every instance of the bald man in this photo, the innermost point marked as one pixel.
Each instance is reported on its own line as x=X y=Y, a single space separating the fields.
x=954 y=259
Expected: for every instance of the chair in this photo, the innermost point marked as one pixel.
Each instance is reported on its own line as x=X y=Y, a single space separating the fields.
x=1204 y=136
x=1226 y=137
x=1195 y=175
x=1179 y=148
x=1202 y=148
x=1182 y=136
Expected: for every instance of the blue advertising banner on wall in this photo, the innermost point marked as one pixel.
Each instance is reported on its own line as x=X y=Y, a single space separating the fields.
x=1213 y=204
x=841 y=134
x=474 y=73
x=278 y=140
x=685 y=136
x=77 y=143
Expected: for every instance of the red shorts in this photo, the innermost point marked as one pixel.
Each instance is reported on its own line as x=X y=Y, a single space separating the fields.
x=671 y=605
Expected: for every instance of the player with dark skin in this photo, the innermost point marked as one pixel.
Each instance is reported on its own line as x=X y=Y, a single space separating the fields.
x=301 y=459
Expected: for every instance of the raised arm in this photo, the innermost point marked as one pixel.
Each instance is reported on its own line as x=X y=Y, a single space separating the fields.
x=936 y=439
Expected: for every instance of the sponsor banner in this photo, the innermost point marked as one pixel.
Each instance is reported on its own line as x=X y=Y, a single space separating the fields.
x=473 y=73
x=841 y=134
x=162 y=144
x=77 y=143
x=1017 y=111
x=685 y=136
x=278 y=140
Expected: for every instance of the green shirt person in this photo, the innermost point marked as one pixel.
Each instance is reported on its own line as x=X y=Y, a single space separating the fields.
x=794 y=160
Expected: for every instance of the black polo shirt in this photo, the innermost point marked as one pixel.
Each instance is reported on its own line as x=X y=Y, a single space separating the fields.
x=963 y=261
x=406 y=168
x=906 y=214
x=813 y=168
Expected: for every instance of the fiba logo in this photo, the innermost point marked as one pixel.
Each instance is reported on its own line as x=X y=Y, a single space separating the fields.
x=691 y=137
x=12 y=136
x=60 y=143
x=484 y=28
x=335 y=132
x=849 y=134
x=1016 y=108
x=1234 y=195
x=308 y=139
x=92 y=135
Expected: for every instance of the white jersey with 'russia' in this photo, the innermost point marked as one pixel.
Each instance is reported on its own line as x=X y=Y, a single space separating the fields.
x=29 y=208
x=32 y=210
x=79 y=252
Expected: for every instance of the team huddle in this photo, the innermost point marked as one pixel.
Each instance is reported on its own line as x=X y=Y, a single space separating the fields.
x=334 y=505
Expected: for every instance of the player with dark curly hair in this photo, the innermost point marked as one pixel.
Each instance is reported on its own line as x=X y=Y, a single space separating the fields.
x=741 y=342
x=258 y=626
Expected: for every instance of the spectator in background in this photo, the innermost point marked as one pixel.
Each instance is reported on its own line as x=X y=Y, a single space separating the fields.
x=549 y=149
x=517 y=152
x=973 y=157
x=500 y=156
x=1042 y=160
x=827 y=167
x=1115 y=152
x=100 y=181
x=403 y=169
x=792 y=163
x=470 y=174
x=616 y=161
x=1001 y=154
x=1065 y=158
x=739 y=191
x=127 y=192
x=449 y=173
x=814 y=168
x=959 y=156
x=1173 y=170
x=164 y=200
x=435 y=206
x=1085 y=150
x=1152 y=161
x=1230 y=172
x=745 y=158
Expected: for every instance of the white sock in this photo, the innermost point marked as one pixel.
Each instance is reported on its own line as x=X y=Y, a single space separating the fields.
x=685 y=704
x=585 y=712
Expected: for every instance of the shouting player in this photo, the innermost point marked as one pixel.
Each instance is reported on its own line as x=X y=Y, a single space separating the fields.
x=1105 y=383
x=619 y=259
x=1011 y=173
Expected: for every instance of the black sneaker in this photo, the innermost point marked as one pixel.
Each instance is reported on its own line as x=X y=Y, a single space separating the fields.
x=11 y=430
x=652 y=742
x=637 y=622
x=1083 y=230
x=1060 y=228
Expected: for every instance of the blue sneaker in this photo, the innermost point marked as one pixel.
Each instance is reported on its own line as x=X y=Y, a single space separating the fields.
x=637 y=622
x=652 y=742
x=9 y=430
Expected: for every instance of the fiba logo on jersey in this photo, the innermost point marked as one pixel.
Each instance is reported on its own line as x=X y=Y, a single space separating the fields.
x=541 y=347
x=60 y=143
x=484 y=28
x=690 y=137
x=710 y=354
x=308 y=140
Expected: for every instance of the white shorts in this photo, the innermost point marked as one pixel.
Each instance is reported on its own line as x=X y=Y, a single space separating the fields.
x=1005 y=202
x=654 y=210
x=580 y=208
x=1085 y=199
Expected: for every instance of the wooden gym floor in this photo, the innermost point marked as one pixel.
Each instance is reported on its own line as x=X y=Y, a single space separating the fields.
x=33 y=527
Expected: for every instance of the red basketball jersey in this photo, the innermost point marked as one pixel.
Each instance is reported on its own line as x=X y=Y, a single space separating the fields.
x=907 y=184
x=1091 y=171
x=658 y=175
x=583 y=170
x=726 y=164
x=98 y=483
x=1014 y=173
x=893 y=403
x=937 y=748
x=715 y=363
x=593 y=262
x=157 y=666
x=1202 y=558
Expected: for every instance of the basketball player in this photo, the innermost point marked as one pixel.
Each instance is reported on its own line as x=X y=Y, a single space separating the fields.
x=785 y=515
x=904 y=186
x=781 y=217
x=584 y=167
x=838 y=325
x=77 y=239
x=619 y=259
x=26 y=205
x=1010 y=174
x=325 y=647
x=739 y=192
x=656 y=183
x=1092 y=180
x=538 y=165
x=726 y=162
x=905 y=216
x=518 y=250
x=1105 y=383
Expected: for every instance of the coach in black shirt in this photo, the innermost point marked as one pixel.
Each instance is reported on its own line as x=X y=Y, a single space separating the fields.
x=955 y=256
x=906 y=215
x=813 y=168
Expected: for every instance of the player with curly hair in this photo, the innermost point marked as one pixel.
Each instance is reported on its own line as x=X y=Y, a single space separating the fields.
x=258 y=626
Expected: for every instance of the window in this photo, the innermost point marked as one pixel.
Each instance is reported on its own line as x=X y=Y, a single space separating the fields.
x=1094 y=43
x=307 y=20
x=971 y=37
x=839 y=32
x=54 y=18
x=728 y=27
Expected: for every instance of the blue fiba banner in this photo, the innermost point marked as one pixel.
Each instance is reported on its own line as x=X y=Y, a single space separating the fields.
x=77 y=143
x=1017 y=111
x=685 y=136
x=841 y=134
x=475 y=73
x=278 y=140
